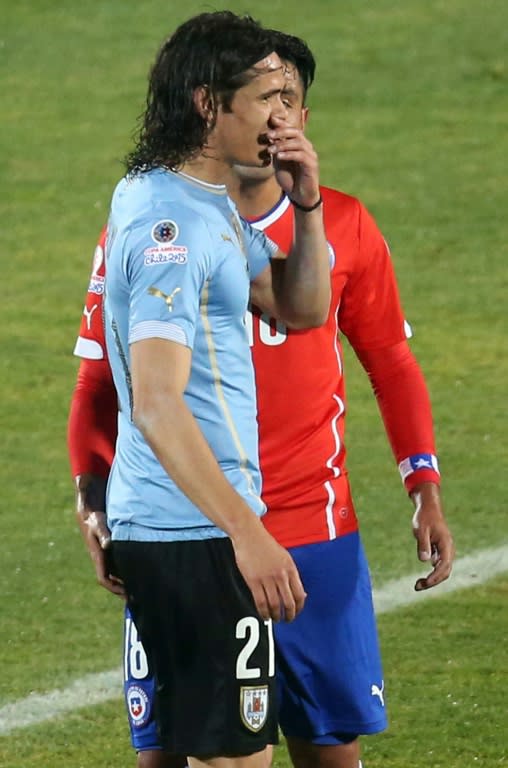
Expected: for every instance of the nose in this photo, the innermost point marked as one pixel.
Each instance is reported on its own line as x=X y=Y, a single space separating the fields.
x=279 y=110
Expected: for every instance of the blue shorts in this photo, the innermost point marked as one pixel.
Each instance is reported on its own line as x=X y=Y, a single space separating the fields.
x=329 y=674
x=139 y=690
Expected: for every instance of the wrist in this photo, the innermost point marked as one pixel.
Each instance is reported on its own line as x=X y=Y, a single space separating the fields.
x=245 y=527
x=306 y=208
x=425 y=491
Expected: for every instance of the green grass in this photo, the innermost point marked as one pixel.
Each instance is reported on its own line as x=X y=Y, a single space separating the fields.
x=445 y=693
x=409 y=112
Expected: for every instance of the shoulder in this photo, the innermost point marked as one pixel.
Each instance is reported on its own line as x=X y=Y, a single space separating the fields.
x=340 y=201
x=344 y=210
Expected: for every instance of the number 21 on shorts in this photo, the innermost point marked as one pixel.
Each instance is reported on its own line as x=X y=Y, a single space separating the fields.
x=248 y=629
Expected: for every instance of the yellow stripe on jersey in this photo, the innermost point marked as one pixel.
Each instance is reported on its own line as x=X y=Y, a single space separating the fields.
x=220 y=391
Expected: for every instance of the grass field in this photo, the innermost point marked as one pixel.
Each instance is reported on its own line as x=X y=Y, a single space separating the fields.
x=410 y=113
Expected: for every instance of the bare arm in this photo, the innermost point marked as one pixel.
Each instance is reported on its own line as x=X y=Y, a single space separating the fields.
x=160 y=371
x=297 y=289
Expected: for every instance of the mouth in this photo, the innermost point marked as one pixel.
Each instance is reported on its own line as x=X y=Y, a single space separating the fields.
x=264 y=155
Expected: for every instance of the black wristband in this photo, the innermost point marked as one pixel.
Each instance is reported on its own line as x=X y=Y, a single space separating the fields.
x=307 y=208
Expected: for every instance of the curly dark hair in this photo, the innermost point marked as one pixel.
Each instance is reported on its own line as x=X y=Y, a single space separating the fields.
x=215 y=50
x=296 y=51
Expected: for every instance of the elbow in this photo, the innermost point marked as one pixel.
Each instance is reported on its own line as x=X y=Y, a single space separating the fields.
x=319 y=316
x=144 y=416
x=306 y=318
x=153 y=409
x=306 y=323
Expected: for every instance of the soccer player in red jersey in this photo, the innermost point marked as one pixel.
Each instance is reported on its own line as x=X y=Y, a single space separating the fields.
x=328 y=667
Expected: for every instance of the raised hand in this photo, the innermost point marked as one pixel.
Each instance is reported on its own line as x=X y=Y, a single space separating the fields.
x=295 y=162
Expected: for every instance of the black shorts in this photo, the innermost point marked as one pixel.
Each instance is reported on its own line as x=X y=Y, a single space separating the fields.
x=212 y=655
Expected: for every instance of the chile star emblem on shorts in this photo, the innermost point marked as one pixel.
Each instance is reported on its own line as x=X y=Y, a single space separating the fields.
x=254 y=706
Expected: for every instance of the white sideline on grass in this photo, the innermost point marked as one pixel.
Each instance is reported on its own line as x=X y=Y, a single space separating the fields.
x=96 y=688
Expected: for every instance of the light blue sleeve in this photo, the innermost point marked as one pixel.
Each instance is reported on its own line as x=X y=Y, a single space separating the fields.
x=168 y=258
x=259 y=249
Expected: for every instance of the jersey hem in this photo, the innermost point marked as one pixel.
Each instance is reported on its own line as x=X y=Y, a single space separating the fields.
x=132 y=532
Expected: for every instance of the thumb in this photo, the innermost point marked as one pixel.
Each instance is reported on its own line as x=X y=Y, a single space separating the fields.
x=421 y=533
x=423 y=546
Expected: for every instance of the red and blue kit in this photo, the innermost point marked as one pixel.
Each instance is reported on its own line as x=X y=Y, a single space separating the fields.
x=300 y=382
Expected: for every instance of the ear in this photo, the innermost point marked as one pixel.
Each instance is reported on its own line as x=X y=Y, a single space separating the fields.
x=204 y=103
x=305 y=116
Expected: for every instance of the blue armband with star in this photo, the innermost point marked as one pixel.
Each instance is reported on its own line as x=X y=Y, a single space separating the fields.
x=416 y=462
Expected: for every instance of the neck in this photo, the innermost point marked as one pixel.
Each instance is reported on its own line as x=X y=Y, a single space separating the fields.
x=206 y=168
x=254 y=197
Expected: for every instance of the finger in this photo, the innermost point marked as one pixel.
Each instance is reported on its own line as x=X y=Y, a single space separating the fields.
x=287 y=601
x=440 y=573
x=292 y=145
x=106 y=579
x=297 y=590
x=116 y=587
x=283 y=130
x=423 y=544
x=446 y=548
x=260 y=600
x=273 y=600
x=113 y=587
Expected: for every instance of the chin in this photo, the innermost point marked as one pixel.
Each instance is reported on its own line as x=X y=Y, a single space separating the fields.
x=254 y=172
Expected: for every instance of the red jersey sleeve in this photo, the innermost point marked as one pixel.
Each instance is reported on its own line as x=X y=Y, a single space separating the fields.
x=370 y=313
x=92 y=423
x=404 y=402
x=371 y=317
x=91 y=342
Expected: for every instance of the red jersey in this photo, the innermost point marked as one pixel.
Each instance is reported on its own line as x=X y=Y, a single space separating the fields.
x=299 y=375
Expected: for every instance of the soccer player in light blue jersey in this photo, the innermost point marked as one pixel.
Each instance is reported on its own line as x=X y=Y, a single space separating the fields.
x=202 y=575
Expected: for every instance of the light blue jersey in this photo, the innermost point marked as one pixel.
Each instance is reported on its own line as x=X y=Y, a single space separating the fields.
x=179 y=263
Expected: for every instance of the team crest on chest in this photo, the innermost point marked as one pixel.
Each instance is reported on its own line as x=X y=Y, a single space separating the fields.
x=254 y=706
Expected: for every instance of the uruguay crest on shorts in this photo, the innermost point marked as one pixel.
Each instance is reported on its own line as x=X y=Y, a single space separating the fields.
x=254 y=706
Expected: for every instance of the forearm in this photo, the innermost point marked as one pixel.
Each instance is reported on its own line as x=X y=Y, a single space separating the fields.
x=92 y=423
x=302 y=281
x=91 y=506
x=174 y=435
x=90 y=494
x=404 y=403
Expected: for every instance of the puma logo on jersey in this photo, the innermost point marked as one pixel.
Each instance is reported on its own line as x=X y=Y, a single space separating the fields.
x=226 y=237
x=153 y=291
x=88 y=314
x=376 y=691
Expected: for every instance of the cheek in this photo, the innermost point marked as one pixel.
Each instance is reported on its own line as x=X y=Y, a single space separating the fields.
x=295 y=119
